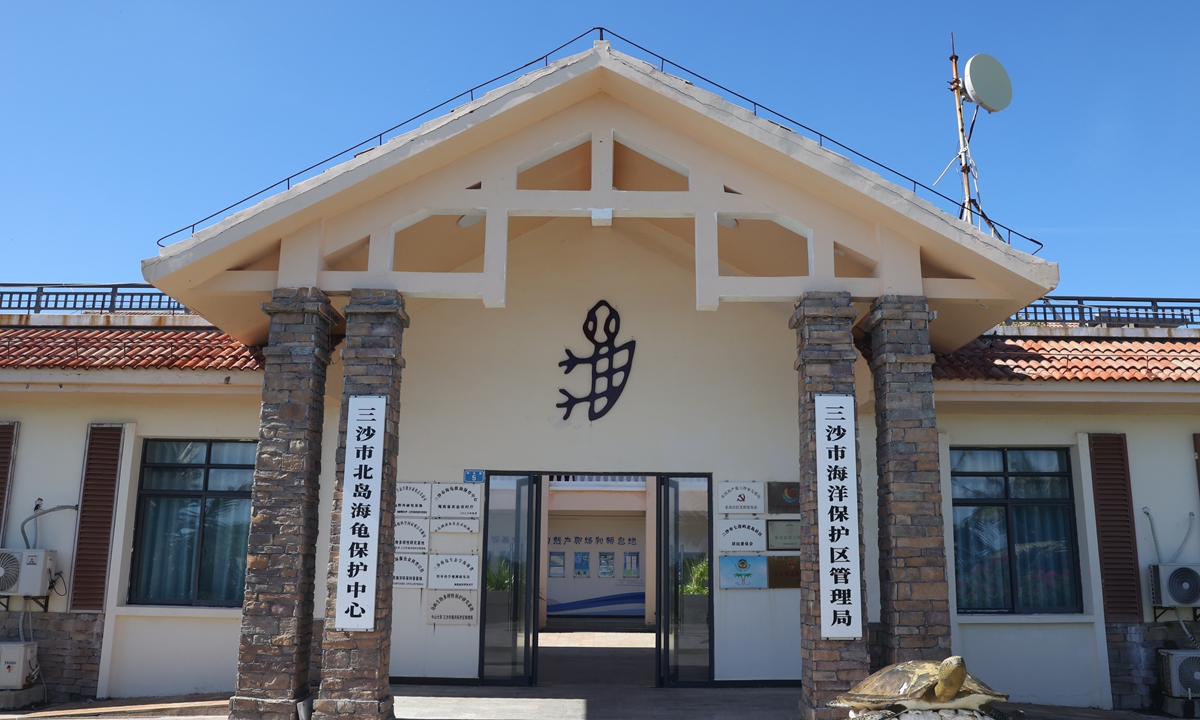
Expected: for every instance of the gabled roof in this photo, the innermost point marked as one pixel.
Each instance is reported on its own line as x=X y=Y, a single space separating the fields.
x=982 y=280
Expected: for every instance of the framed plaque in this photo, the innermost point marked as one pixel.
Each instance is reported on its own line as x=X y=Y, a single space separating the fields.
x=783 y=534
x=412 y=499
x=452 y=607
x=783 y=498
x=783 y=571
x=412 y=535
x=458 y=500
x=454 y=572
x=411 y=570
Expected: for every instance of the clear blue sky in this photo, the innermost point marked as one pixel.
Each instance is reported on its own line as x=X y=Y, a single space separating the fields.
x=122 y=121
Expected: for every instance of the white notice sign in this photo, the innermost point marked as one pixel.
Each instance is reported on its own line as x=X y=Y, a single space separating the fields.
x=742 y=535
x=410 y=571
x=412 y=499
x=454 y=572
x=412 y=535
x=454 y=525
x=451 y=607
x=456 y=501
x=740 y=497
x=358 y=549
x=837 y=518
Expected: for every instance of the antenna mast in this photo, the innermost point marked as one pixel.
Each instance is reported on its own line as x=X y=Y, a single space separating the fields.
x=964 y=163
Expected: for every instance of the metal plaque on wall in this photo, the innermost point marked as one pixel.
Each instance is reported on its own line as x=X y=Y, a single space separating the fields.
x=742 y=535
x=454 y=525
x=740 y=497
x=783 y=498
x=452 y=607
x=743 y=572
x=412 y=535
x=454 y=572
x=412 y=499
x=458 y=500
x=411 y=570
x=783 y=534
x=783 y=571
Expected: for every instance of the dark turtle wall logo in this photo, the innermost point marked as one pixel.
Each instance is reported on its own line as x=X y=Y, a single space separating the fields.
x=610 y=363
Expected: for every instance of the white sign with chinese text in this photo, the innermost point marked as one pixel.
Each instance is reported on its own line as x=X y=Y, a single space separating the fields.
x=411 y=571
x=452 y=607
x=454 y=525
x=412 y=535
x=413 y=499
x=740 y=497
x=837 y=518
x=457 y=500
x=358 y=551
x=453 y=572
x=742 y=535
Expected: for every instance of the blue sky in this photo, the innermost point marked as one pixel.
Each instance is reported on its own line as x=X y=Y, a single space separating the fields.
x=122 y=121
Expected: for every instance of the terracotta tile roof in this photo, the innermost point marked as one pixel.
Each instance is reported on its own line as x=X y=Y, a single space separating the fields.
x=88 y=349
x=1019 y=358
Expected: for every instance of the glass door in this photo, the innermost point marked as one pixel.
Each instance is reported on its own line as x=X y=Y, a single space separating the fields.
x=685 y=607
x=508 y=624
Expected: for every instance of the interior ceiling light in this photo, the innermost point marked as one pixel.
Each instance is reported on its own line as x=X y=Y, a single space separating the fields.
x=728 y=222
x=467 y=221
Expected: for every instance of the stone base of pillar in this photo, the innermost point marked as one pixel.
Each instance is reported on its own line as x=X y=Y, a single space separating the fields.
x=252 y=708
x=357 y=709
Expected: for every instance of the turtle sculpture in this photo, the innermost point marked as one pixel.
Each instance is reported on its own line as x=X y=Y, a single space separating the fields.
x=923 y=687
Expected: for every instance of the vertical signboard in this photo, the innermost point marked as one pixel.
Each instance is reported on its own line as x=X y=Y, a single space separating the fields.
x=359 y=549
x=837 y=518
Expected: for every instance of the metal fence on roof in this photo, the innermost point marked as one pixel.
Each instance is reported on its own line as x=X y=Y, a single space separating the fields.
x=1094 y=311
x=66 y=298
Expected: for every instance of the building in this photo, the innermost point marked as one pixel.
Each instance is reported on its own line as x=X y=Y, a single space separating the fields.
x=711 y=270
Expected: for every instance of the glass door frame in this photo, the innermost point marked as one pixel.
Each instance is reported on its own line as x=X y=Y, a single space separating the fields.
x=531 y=579
x=662 y=658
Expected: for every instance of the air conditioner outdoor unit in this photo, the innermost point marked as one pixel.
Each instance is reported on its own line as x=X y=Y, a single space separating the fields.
x=1175 y=585
x=26 y=573
x=1180 y=672
x=17 y=663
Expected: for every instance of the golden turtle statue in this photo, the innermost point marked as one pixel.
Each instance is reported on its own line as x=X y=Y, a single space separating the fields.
x=920 y=685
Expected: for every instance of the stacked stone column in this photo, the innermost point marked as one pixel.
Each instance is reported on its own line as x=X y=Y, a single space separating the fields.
x=825 y=363
x=915 y=609
x=273 y=655
x=354 y=673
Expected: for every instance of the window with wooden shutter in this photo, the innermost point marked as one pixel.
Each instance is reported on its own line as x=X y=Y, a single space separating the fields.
x=1120 y=572
x=8 y=455
x=96 y=503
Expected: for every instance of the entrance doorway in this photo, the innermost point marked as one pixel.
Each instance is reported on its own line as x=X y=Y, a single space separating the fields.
x=596 y=579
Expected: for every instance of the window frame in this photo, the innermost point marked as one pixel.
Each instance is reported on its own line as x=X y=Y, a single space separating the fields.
x=1008 y=503
x=202 y=495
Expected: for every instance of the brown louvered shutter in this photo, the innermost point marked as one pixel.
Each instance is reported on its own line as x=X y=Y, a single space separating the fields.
x=96 y=503
x=8 y=454
x=1119 y=571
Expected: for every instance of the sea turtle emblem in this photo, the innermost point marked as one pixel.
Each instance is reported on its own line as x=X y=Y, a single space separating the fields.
x=919 y=685
x=610 y=363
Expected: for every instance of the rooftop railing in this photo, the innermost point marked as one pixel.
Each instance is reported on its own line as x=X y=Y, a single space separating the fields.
x=67 y=298
x=1091 y=311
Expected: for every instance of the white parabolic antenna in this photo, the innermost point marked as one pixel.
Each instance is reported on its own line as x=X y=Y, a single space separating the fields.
x=987 y=83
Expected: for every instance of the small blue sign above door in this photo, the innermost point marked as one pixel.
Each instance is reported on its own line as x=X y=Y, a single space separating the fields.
x=472 y=476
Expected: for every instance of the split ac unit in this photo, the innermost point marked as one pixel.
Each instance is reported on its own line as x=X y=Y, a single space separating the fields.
x=1175 y=585
x=17 y=664
x=1180 y=672
x=26 y=573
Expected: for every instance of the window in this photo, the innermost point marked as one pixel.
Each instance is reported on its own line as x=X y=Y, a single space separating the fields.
x=1014 y=531
x=193 y=520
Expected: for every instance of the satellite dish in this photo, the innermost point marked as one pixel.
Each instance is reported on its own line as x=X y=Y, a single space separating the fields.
x=987 y=83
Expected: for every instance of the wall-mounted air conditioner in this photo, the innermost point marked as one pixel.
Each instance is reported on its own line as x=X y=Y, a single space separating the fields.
x=17 y=663
x=26 y=573
x=1175 y=585
x=1180 y=672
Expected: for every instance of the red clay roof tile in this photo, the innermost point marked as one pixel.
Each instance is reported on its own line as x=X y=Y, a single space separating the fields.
x=97 y=348
x=1020 y=358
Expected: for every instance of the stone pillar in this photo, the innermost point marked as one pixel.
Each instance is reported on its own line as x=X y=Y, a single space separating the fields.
x=354 y=673
x=825 y=363
x=914 y=597
x=273 y=655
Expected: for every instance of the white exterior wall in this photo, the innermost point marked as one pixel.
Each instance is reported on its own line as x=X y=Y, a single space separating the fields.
x=1063 y=659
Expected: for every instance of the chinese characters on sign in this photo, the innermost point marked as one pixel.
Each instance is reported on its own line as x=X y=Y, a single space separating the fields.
x=837 y=517
x=359 y=548
x=578 y=540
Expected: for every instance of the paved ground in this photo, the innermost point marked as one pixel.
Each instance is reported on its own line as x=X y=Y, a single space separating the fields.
x=583 y=676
